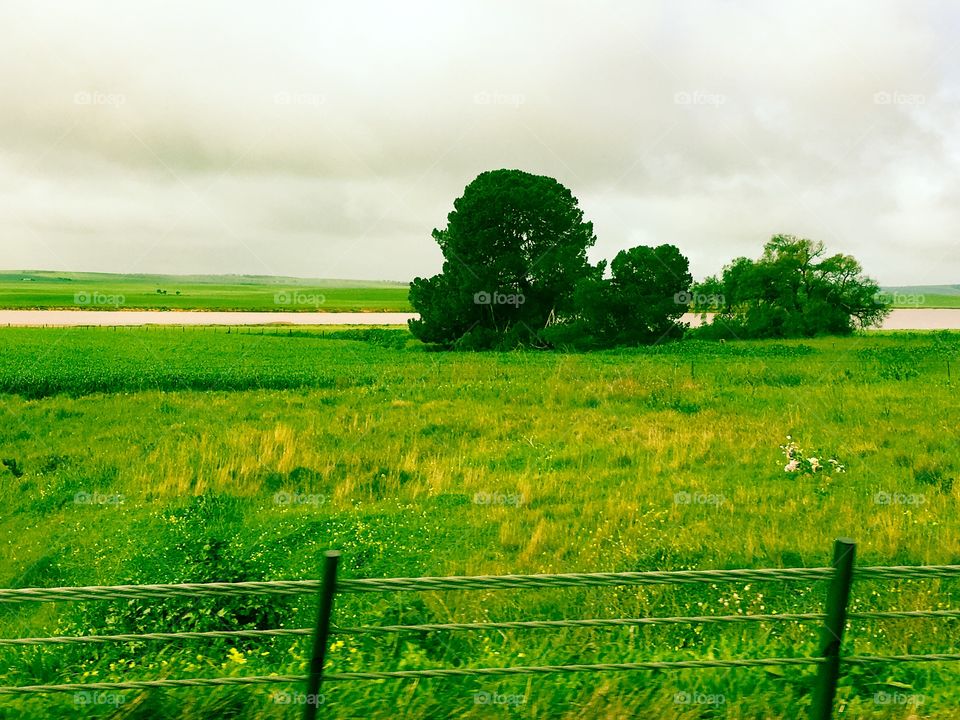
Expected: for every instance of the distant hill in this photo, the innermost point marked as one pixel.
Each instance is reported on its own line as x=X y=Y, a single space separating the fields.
x=41 y=276
x=923 y=296
x=924 y=289
x=52 y=290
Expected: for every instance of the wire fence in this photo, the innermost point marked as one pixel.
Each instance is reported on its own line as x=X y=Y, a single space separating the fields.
x=828 y=661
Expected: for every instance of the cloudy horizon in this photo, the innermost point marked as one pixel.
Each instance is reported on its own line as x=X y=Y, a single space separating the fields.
x=299 y=140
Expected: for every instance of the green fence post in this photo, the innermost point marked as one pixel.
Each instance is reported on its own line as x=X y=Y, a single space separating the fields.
x=328 y=589
x=831 y=636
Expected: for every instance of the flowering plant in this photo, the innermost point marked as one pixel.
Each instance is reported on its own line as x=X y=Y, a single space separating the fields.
x=799 y=462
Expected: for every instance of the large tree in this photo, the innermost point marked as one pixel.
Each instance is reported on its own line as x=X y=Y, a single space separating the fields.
x=514 y=250
x=794 y=290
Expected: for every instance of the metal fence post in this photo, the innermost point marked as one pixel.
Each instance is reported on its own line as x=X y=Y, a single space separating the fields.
x=328 y=588
x=831 y=636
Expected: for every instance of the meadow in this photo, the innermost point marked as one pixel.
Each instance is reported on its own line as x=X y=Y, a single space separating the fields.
x=103 y=291
x=52 y=290
x=413 y=462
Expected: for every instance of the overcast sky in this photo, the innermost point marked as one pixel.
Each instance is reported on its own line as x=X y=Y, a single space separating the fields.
x=329 y=139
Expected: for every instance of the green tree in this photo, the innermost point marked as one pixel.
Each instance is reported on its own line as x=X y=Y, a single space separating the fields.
x=514 y=250
x=794 y=290
x=639 y=303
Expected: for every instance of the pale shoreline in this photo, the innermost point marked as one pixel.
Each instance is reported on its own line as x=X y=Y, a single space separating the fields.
x=125 y=318
x=899 y=319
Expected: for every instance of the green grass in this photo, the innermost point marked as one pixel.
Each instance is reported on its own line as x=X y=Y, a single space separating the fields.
x=198 y=431
x=37 y=290
x=925 y=300
x=101 y=291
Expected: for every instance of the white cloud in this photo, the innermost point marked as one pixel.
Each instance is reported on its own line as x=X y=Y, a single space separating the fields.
x=300 y=139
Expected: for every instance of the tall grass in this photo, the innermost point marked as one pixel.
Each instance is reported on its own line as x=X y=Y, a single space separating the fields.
x=244 y=457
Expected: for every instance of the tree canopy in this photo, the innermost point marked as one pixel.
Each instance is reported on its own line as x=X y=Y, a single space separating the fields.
x=640 y=303
x=514 y=250
x=793 y=290
x=515 y=273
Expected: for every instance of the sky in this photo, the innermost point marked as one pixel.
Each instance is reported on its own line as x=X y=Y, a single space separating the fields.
x=329 y=139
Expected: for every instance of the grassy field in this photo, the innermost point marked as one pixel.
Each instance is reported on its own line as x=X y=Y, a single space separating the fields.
x=924 y=300
x=927 y=301
x=38 y=290
x=101 y=291
x=658 y=458
x=930 y=296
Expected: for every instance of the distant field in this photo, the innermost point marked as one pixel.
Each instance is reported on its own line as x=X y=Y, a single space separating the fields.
x=195 y=433
x=35 y=290
x=924 y=296
x=98 y=291
x=922 y=300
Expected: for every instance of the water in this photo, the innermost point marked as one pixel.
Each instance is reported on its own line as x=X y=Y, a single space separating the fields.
x=109 y=318
x=904 y=319
x=900 y=319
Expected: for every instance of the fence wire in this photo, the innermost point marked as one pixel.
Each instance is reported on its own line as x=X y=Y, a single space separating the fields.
x=493 y=582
